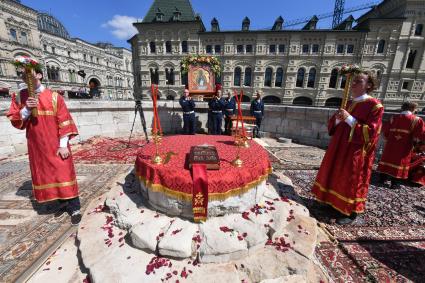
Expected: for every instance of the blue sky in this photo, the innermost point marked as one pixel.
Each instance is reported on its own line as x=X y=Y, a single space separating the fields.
x=108 y=20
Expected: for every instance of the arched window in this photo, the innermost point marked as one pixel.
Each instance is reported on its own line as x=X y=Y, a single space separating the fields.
x=343 y=81
x=168 y=46
x=152 y=47
x=302 y=100
x=169 y=76
x=300 y=77
x=333 y=79
x=378 y=77
x=411 y=59
x=311 y=78
x=268 y=77
x=237 y=77
x=418 y=29
x=279 y=78
x=333 y=102
x=13 y=36
x=271 y=99
x=24 y=38
x=154 y=76
x=381 y=46
x=184 y=78
x=184 y=46
x=248 y=77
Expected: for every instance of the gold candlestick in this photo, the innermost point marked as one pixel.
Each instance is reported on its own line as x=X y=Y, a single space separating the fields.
x=157 y=159
x=30 y=86
x=238 y=161
x=346 y=94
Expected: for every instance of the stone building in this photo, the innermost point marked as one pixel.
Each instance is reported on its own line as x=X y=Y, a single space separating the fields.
x=73 y=67
x=288 y=66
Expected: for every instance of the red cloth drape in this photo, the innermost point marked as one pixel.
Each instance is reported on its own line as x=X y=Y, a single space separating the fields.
x=174 y=177
x=200 y=192
x=344 y=175
x=52 y=177
x=400 y=133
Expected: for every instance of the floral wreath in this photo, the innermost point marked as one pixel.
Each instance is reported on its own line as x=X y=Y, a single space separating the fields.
x=26 y=62
x=212 y=61
x=350 y=69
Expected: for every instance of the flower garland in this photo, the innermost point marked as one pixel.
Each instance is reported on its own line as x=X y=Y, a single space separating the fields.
x=352 y=69
x=213 y=62
x=26 y=62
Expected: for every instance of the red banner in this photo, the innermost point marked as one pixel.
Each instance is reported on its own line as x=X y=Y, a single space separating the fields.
x=200 y=192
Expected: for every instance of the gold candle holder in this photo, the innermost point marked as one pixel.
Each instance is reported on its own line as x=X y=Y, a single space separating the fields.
x=238 y=161
x=30 y=86
x=157 y=159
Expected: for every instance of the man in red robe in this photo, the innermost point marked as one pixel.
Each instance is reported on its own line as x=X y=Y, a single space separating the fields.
x=401 y=132
x=52 y=168
x=344 y=175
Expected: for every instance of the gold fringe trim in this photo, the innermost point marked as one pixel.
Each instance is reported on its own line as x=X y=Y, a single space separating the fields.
x=66 y=123
x=352 y=131
x=400 y=131
x=199 y=210
x=54 y=185
x=199 y=219
x=55 y=102
x=377 y=106
x=329 y=203
x=43 y=201
x=211 y=197
x=404 y=168
x=46 y=113
x=347 y=200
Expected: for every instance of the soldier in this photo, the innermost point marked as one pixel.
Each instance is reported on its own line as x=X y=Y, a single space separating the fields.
x=188 y=107
x=400 y=133
x=257 y=110
x=216 y=106
x=229 y=111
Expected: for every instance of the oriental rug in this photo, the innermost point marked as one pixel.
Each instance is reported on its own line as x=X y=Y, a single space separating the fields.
x=373 y=261
x=101 y=150
x=28 y=229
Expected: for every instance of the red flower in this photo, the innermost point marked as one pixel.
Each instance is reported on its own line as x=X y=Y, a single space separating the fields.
x=245 y=215
x=225 y=229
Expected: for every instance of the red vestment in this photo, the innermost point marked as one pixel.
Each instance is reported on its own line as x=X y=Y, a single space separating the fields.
x=400 y=133
x=417 y=168
x=344 y=175
x=52 y=177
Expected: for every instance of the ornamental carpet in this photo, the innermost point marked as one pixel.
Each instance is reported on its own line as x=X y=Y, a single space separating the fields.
x=98 y=150
x=28 y=229
x=385 y=244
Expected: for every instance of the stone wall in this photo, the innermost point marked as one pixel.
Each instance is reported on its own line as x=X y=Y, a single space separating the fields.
x=115 y=118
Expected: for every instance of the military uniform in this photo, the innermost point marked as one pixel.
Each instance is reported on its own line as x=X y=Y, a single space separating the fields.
x=257 y=110
x=188 y=107
x=229 y=111
x=216 y=106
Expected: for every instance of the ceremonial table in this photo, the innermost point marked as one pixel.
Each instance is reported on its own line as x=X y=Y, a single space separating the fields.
x=168 y=187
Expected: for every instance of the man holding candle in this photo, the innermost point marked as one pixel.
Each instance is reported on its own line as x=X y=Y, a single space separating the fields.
x=188 y=107
x=344 y=175
x=52 y=168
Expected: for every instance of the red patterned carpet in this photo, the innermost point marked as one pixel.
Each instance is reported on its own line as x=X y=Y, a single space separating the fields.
x=99 y=150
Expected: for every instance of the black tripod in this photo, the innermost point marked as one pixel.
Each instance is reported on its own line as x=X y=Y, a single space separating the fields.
x=138 y=108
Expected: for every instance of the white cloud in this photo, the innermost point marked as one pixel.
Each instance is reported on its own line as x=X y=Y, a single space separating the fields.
x=121 y=26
